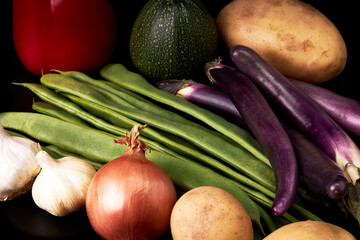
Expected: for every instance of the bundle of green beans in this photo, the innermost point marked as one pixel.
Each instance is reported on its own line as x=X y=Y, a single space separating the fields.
x=81 y=115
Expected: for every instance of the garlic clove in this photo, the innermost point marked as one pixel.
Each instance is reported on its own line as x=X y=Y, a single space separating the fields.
x=19 y=167
x=62 y=184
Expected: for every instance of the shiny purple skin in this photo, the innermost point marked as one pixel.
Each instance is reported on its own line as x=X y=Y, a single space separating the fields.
x=308 y=117
x=345 y=111
x=205 y=96
x=320 y=173
x=266 y=128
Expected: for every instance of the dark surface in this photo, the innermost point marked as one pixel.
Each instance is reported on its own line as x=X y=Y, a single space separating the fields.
x=21 y=219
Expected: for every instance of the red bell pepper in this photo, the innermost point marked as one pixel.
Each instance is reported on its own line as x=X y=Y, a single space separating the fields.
x=63 y=34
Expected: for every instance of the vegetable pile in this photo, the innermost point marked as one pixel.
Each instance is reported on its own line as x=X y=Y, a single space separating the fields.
x=240 y=156
x=187 y=150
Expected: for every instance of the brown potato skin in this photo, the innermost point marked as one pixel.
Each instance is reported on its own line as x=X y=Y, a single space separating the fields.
x=210 y=213
x=309 y=230
x=294 y=37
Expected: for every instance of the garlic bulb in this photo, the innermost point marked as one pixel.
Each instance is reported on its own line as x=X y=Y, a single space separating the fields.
x=18 y=165
x=61 y=186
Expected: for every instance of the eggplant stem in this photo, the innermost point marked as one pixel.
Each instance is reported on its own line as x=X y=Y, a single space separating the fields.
x=349 y=173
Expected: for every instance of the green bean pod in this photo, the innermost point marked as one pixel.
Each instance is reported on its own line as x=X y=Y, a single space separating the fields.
x=57 y=153
x=118 y=74
x=63 y=103
x=114 y=92
x=235 y=156
x=129 y=96
x=107 y=92
x=58 y=100
x=96 y=145
x=215 y=164
x=48 y=95
x=54 y=111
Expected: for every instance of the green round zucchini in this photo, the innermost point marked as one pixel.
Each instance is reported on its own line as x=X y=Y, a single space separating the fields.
x=173 y=39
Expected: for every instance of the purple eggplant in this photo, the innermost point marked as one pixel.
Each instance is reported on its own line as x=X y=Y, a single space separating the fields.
x=205 y=96
x=320 y=173
x=345 y=111
x=266 y=128
x=303 y=113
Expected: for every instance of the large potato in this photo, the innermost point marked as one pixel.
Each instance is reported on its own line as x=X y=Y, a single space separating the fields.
x=310 y=230
x=210 y=213
x=291 y=35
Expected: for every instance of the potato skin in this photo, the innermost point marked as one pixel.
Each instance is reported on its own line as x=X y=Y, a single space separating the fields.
x=291 y=35
x=309 y=230
x=210 y=213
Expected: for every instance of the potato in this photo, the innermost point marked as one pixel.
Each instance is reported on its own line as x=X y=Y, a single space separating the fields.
x=310 y=230
x=210 y=213
x=294 y=37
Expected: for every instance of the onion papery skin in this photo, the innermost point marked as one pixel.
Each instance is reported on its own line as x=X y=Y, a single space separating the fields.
x=130 y=198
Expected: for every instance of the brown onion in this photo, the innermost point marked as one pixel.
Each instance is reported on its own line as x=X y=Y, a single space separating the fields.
x=130 y=197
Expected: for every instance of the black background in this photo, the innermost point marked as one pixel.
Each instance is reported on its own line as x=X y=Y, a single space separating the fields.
x=22 y=219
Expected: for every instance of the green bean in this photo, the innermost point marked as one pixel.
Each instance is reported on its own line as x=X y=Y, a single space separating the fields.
x=118 y=74
x=106 y=85
x=263 y=200
x=134 y=99
x=52 y=153
x=57 y=153
x=296 y=208
x=47 y=95
x=76 y=87
x=117 y=119
x=96 y=145
x=16 y=134
x=118 y=96
x=269 y=222
x=58 y=100
x=89 y=106
x=64 y=134
x=235 y=156
x=83 y=81
x=62 y=102
x=54 y=111
x=110 y=89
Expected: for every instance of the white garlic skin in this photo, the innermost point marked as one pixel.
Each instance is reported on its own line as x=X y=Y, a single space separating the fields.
x=18 y=164
x=62 y=184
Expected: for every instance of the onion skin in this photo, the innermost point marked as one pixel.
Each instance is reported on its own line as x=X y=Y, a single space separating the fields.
x=130 y=198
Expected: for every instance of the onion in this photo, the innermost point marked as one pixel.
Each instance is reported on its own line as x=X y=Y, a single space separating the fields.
x=130 y=197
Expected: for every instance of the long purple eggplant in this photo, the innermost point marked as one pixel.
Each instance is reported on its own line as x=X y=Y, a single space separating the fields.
x=309 y=118
x=205 y=96
x=320 y=173
x=266 y=128
x=345 y=111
